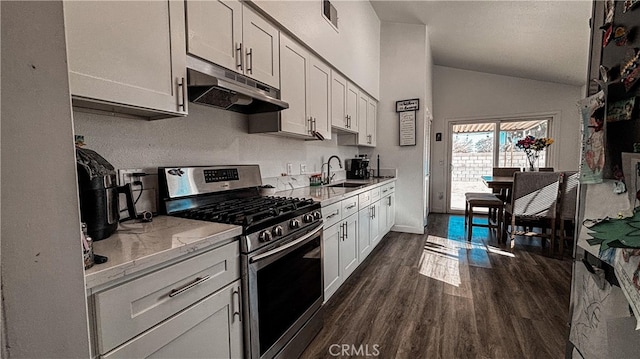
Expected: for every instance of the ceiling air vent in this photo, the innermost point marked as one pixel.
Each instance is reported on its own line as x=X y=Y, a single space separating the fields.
x=330 y=13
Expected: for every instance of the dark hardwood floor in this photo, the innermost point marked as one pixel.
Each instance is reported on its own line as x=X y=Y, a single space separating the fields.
x=439 y=296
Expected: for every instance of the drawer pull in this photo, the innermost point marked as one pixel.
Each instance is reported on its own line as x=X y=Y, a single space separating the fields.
x=385 y=191
x=197 y=281
x=333 y=214
x=351 y=206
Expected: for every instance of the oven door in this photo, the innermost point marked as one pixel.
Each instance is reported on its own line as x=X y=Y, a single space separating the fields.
x=284 y=291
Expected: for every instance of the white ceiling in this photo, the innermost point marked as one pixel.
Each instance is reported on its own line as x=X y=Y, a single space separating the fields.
x=540 y=40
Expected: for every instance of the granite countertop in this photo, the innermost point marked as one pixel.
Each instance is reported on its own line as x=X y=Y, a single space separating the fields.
x=136 y=246
x=327 y=195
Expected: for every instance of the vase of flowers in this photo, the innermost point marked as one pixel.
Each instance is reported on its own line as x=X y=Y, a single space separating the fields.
x=532 y=147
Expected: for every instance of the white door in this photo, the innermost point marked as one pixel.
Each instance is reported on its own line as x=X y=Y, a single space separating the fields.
x=295 y=62
x=214 y=32
x=261 y=45
x=127 y=52
x=319 y=101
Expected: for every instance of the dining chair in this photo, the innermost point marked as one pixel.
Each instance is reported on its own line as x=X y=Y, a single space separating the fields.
x=567 y=205
x=484 y=200
x=534 y=199
x=504 y=194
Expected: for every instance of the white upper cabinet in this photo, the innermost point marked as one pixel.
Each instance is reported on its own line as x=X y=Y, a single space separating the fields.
x=367 y=112
x=261 y=42
x=304 y=84
x=344 y=103
x=294 y=61
x=319 y=102
x=232 y=35
x=214 y=30
x=127 y=55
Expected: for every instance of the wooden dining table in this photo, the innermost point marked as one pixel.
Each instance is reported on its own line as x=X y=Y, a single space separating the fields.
x=498 y=182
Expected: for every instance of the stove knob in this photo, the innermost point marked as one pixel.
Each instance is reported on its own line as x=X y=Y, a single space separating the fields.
x=307 y=218
x=294 y=223
x=317 y=215
x=265 y=236
x=277 y=231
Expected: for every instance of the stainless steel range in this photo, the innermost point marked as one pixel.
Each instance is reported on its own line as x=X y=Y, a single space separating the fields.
x=281 y=251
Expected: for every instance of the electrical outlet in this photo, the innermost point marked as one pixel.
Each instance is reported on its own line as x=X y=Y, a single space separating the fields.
x=303 y=168
x=147 y=199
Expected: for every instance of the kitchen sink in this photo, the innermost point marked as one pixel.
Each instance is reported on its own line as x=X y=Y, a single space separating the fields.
x=347 y=185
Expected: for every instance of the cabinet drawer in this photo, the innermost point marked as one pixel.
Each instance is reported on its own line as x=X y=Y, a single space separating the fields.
x=332 y=214
x=364 y=199
x=386 y=189
x=375 y=194
x=129 y=309
x=349 y=206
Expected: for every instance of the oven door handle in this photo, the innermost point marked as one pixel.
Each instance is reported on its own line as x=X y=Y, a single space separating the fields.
x=286 y=246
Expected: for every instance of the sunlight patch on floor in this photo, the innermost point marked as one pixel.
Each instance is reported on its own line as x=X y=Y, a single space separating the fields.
x=500 y=251
x=440 y=260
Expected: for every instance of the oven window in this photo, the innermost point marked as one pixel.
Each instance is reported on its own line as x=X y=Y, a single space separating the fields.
x=286 y=289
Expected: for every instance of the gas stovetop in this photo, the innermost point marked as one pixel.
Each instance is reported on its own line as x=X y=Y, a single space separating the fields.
x=229 y=194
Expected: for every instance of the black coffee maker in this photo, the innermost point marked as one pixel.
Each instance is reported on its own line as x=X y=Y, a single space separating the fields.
x=99 y=194
x=358 y=168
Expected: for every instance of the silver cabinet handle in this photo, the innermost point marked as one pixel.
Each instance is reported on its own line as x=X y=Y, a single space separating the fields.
x=333 y=214
x=315 y=125
x=371 y=212
x=197 y=281
x=236 y=308
x=250 y=60
x=346 y=230
x=389 y=201
x=351 y=206
x=183 y=92
x=310 y=125
x=385 y=191
x=239 y=56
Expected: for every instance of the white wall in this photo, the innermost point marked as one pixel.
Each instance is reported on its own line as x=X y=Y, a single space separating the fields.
x=405 y=71
x=462 y=94
x=42 y=276
x=353 y=50
x=207 y=136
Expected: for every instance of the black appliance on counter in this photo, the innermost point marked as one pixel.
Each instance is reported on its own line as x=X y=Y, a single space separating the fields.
x=357 y=168
x=280 y=251
x=99 y=194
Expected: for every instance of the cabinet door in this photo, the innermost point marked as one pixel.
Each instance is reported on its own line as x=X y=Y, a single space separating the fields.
x=320 y=96
x=363 y=107
x=382 y=218
x=372 y=123
x=261 y=45
x=391 y=212
x=214 y=31
x=211 y=328
x=349 y=246
x=353 y=97
x=295 y=60
x=331 y=260
x=338 y=101
x=127 y=52
x=375 y=226
x=364 y=234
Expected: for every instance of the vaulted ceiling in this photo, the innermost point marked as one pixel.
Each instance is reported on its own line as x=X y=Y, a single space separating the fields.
x=540 y=40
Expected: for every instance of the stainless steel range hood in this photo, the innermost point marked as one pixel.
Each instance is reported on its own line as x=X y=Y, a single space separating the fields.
x=218 y=87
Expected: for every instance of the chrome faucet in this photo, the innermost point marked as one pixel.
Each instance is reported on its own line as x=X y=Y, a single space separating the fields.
x=329 y=176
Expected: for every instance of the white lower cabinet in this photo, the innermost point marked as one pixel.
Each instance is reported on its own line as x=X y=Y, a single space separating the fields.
x=375 y=229
x=349 y=246
x=209 y=329
x=331 y=260
x=364 y=237
x=190 y=309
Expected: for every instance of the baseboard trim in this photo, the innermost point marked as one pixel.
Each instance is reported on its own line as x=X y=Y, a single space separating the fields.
x=408 y=229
